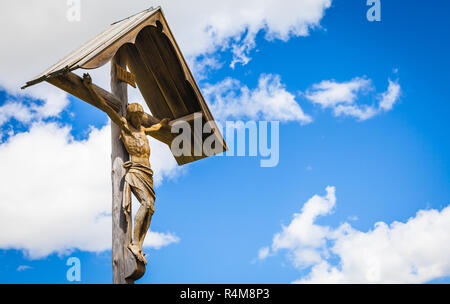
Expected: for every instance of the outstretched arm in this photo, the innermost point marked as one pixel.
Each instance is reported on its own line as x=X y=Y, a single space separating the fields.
x=162 y=126
x=101 y=104
x=160 y=131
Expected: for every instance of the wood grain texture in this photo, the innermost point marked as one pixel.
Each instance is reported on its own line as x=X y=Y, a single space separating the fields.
x=174 y=67
x=122 y=258
x=126 y=76
x=152 y=58
x=147 y=84
x=163 y=77
x=73 y=84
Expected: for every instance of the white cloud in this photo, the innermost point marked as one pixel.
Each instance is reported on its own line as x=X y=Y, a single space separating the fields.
x=202 y=65
x=416 y=251
x=55 y=100
x=23 y=268
x=157 y=240
x=263 y=253
x=39 y=33
x=342 y=97
x=304 y=238
x=329 y=93
x=269 y=101
x=30 y=108
x=234 y=24
x=390 y=97
x=58 y=192
x=14 y=110
x=362 y=112
x=241 y=50
x=45 y=210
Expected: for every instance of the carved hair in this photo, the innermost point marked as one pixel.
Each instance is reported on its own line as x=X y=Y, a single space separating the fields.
x=134 y=108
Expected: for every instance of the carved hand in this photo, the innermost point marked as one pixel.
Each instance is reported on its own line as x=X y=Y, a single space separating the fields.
x=163 y=125
x=87 y=80
x=124 y=126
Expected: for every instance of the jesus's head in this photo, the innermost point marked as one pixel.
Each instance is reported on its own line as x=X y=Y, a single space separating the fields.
x=134 y=114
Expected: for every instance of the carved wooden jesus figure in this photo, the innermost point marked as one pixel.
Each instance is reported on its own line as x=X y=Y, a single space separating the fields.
x=139 y=175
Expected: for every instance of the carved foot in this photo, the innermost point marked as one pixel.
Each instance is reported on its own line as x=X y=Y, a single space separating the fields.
x=137 y=252
x=143 y=258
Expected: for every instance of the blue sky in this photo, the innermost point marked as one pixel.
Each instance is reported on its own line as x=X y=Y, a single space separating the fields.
x=228 y=220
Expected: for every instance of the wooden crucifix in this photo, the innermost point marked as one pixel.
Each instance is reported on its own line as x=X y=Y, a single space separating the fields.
x=143 y=44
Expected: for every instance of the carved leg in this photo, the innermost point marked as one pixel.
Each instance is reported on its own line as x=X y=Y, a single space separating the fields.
x=146 y=225
x=140 y=223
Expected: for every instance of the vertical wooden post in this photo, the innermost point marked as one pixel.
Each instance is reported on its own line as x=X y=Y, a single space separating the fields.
x=126 y=269
x=119 y=155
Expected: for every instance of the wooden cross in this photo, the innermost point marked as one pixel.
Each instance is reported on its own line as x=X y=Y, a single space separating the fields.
x=144 y=44
x=126 y=269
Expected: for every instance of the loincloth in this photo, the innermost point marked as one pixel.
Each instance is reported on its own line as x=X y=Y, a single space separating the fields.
x=139 y=179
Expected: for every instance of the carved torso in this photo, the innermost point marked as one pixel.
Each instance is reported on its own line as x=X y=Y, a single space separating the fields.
x=137 y=145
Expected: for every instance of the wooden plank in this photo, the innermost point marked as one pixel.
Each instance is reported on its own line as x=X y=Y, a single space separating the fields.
x=100 y=49
x=190 y=78
x=152 y=59
x=119 y=155
x=108 y=49
x=173 y=65
x=147 y=84
x=124 y=75
x=73 y=84
x=122 y=258
x=197 y=139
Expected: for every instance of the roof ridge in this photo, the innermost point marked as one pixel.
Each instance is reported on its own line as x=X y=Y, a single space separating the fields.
x=146 y=10
x=94 y=46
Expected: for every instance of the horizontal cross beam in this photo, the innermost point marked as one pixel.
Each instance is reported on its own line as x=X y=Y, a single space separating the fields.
x=73 y=84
